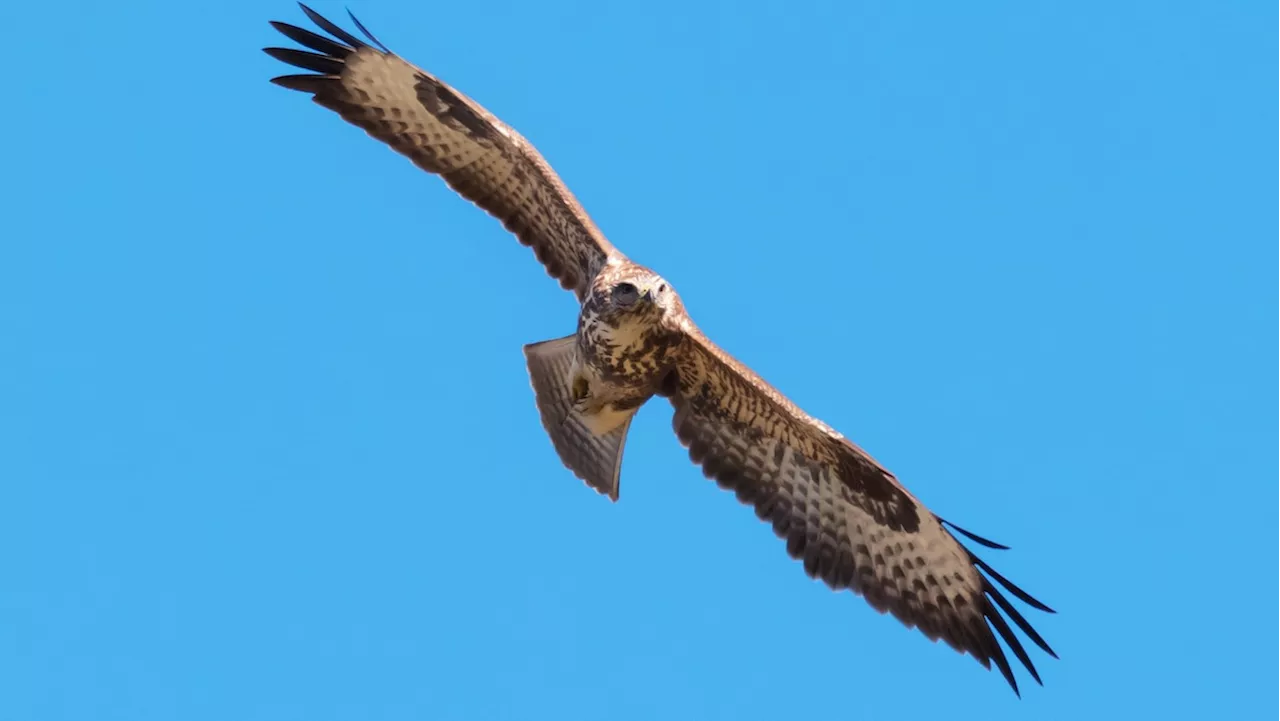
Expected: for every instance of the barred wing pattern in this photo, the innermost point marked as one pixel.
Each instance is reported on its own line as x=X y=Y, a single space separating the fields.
x=446 y=133
x=846 y=517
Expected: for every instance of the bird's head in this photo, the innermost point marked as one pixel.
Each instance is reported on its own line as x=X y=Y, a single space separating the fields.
x=636 y=292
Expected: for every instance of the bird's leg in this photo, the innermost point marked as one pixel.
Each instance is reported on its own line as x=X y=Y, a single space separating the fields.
x=580 y=395
x=580 y=389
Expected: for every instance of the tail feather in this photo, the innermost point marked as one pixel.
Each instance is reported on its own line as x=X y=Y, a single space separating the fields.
x=596 y=459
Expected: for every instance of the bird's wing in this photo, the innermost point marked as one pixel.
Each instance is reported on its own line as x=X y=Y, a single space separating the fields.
x=446 y=133
x=846 y=517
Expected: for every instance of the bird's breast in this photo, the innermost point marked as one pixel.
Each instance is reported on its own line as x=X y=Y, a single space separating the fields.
x=627 y=353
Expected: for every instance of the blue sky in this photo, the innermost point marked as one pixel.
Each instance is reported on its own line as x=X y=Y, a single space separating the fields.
x=259 y=461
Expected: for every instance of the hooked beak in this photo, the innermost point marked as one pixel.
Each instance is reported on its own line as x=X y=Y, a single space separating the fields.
x=649 y=294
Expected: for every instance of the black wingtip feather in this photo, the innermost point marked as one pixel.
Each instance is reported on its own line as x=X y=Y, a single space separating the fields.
x=973 y=536
x=314 y=62
x=1011 y=640
x=313 y=84
x=367 y=34
x=306 y=38
x=1002 y=663
x=1019 y=619
x=1010 y=586
x=332 y=29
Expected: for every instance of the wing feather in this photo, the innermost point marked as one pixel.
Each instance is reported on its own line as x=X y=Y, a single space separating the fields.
x=849 y=520
x=446 y=133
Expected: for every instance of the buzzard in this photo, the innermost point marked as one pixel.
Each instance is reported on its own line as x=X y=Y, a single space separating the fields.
x=843 y=514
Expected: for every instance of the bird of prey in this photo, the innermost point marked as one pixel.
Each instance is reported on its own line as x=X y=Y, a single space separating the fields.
x=844 y=515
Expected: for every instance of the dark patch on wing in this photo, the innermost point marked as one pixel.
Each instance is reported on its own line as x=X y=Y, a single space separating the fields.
x=873 y=490
x=443 y=103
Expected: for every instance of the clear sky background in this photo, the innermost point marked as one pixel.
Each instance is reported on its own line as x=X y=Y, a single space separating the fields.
x=259 y=460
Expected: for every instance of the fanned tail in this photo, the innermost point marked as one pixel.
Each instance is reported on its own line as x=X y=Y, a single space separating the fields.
x=596 y=459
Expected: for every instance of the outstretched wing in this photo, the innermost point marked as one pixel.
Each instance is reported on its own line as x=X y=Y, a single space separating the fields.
x=446 y=133
x=847 y=518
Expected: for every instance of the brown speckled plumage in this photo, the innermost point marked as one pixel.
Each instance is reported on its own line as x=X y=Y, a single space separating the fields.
x=849 y=520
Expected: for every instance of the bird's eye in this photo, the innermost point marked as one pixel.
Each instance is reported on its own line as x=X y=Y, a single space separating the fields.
x=662 y=287
x=625 y=293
